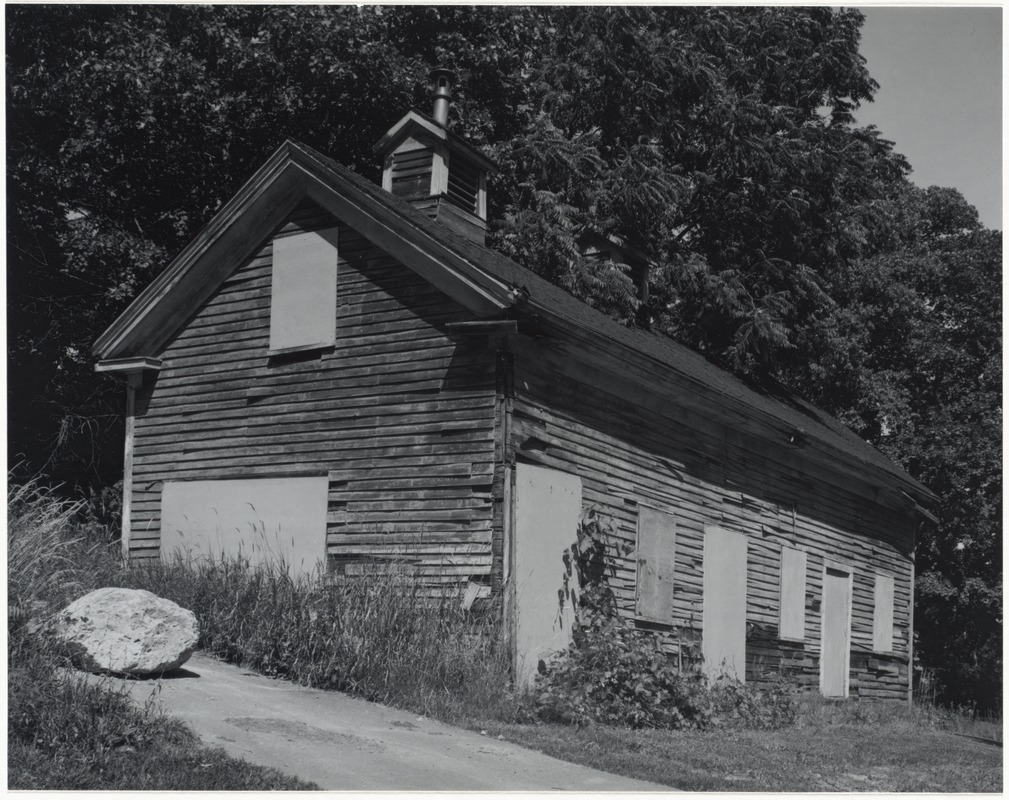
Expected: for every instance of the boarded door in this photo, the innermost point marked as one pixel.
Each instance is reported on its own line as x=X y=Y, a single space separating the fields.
x=548 y=505
x=723 y=641
x=262 y=520
x=836 y=632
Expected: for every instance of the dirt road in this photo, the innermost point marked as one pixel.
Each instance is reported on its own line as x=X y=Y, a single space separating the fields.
x=342 y=743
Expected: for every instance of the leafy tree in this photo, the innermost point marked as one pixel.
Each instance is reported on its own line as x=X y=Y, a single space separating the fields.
x=673 y=128
x=717 y=140
x=128 y=126
x=911 y=358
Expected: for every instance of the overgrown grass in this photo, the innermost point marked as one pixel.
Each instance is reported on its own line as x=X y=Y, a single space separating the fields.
x=818 y=713
x=48 y=564
x=382 y=638
x=65 y=731
x=833 y=747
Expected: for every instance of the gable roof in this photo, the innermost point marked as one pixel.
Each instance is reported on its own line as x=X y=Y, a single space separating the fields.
x=481 y=279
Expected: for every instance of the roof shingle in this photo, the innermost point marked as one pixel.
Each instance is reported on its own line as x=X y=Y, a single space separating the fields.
x=775 y=402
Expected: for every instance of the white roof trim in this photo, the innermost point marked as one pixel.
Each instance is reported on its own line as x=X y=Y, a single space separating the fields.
x=129 y=364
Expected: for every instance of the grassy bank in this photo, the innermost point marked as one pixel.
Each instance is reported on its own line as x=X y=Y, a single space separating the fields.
x=64 y=731
x=885 y=756
x=833 y=747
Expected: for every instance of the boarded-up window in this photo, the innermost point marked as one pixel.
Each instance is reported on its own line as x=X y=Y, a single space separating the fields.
x=882 y=623
x=303 y=290
x=656 y=559
x=261 y=520
x=792 y=616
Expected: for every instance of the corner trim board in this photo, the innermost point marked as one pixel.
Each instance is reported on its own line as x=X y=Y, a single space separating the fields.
x=131 y=404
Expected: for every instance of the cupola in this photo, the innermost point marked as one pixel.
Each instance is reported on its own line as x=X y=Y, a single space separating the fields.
x=436 y=170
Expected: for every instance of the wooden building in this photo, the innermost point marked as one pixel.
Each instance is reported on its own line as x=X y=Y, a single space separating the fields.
x=343 y=373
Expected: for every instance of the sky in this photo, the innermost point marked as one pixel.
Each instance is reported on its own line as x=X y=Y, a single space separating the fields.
x=940 y=96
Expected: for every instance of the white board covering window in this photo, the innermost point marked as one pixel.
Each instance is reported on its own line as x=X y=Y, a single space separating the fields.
x=792 y=614
x=882 y=623
x=656 y=562
x=303 y=290
x=260 y=520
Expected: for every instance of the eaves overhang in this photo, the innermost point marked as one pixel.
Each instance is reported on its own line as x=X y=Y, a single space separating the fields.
x=600 y=343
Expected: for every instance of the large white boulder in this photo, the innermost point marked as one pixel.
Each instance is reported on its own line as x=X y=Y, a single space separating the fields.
x=129 y=631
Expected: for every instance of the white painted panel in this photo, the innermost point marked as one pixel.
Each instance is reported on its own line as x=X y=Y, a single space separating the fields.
x=882 y=622
x=656 y=561
x=835 y=633
x=259 y=519
x=548 y=506
x=723 y=633
x=303 y=290
x=792 y=618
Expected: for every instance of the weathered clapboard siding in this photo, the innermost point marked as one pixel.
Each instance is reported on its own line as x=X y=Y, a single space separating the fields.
x=400 y=414
x=629 y=449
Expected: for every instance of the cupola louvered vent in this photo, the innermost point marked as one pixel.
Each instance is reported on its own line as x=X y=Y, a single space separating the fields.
x=411 y=173
x=437 y=172
x=464 y=185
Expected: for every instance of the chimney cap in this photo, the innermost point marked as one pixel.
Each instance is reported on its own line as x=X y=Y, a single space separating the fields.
x=441 y=81
x=436 y=75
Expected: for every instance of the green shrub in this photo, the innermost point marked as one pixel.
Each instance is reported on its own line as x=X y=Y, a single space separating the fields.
x=740 y=705
x=616 y=675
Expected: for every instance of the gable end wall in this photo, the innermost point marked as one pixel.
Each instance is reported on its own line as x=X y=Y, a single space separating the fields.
x=400 y=414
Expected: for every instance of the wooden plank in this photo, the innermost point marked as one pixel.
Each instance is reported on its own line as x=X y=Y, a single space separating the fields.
x=547 y=508
x=133 y=381
x=655 y=558
x=261 y=520
x=793 y=594
x=882 y=623
x=474 y=537
x=836 y=633
x=724 y=611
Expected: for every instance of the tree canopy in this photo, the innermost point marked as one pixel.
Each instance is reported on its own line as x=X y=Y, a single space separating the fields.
x=786 y=243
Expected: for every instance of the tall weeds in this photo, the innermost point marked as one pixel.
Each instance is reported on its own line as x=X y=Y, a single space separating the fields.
x=57 y=719
x=51 y=559
x=40 y=555
x=379 y=637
